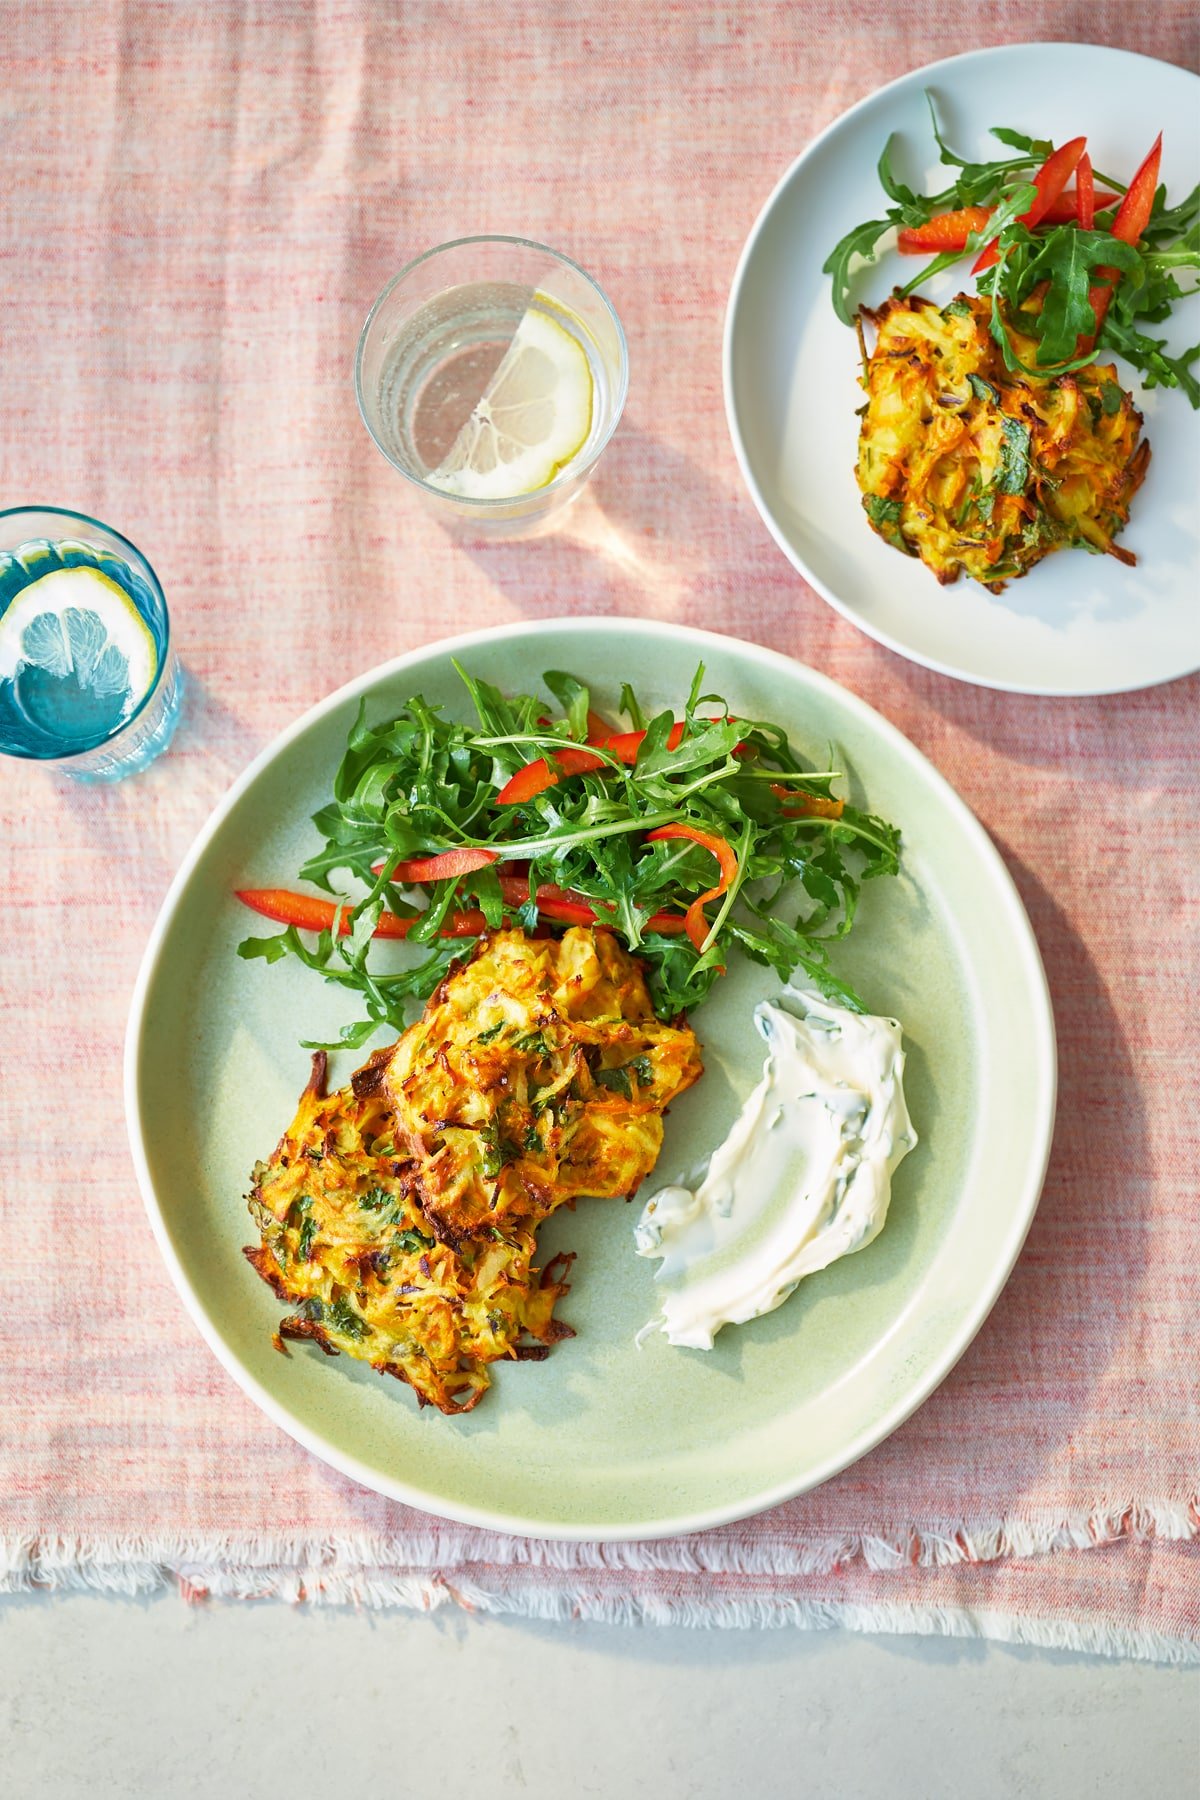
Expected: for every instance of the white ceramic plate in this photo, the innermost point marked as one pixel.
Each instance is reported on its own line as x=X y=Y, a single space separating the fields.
x=1077 y=624
x=603 y=1439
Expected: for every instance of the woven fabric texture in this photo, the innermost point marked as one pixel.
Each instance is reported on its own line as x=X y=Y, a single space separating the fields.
x=199 y=206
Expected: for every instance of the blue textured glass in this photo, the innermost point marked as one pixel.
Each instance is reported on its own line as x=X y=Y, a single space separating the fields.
x=67 y=697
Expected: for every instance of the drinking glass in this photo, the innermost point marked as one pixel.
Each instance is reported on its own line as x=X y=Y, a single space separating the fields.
x=89 y=682
x=432 y=358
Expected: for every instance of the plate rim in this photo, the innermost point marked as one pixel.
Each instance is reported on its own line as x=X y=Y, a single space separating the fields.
x=819 y=586
x=1025 y=1206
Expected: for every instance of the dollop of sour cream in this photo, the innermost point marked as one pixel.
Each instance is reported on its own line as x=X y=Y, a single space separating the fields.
x=804 y=1177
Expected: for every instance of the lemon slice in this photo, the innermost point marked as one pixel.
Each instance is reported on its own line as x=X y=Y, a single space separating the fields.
x=77 y=641
x=535 y=415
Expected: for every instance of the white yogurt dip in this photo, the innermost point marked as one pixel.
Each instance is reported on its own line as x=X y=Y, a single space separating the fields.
x=805 y=1175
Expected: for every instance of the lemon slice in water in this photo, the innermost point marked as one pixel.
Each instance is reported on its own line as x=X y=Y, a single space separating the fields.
x=78 y=652
x=535 y=415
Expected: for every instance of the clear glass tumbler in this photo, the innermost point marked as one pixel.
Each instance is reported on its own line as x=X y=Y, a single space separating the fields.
x=492 y=373
x=89 y=682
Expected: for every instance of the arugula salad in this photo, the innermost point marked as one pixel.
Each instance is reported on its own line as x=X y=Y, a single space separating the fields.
x=1080 y=269
x=692 y=837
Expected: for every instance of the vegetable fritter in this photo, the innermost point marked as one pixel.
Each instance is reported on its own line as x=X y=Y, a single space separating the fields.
x=345 y=1242
x=538 y=1073
x=975 y=469
x=398 y=1214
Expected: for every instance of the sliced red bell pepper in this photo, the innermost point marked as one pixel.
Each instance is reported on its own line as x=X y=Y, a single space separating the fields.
x=569 y=908
x=536 y=776
x=624 y=745
x=311 y=914
x=695 y=923
x=567 y=912
x=1049 y=181
x=807 y=806
x=668 y=924
x=598 y=728
x=1133 y=216
x=1085 y=194
x=575 y=910
x=441 y=867
x=628 y=744
x=950 y=230
x=945 y=231
x=1065 y=210
x=561 y=904
x=515 y=892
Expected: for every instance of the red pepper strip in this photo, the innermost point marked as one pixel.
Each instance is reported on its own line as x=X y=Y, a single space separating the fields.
x=566 y=912
x=1065 y=210
x=808 y=806
x=581 y=912
x=569 y=908
x=536 y=776
x=1133 y=216
x=949 y=230
x=515 y=891
x=1085 y=194
x=311 y=914
x=945 y=231
x=695 y=923
x=624 y=745
x=1049 y=181
x=562 y=904
x=440 y=867
x=598 y=729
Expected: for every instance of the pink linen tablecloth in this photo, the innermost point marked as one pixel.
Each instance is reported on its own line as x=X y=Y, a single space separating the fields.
x=199 y=205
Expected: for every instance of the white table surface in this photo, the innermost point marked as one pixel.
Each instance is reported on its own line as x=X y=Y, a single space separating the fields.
x=104 y=1696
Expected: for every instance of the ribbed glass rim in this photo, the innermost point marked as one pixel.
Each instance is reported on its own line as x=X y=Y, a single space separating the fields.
x=85 y=519
x=621 y=388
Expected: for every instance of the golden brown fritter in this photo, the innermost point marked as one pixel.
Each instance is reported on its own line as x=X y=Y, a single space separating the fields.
x=398 y=1214
x=344 y=1241
x=975 y=469
x=538 y=1074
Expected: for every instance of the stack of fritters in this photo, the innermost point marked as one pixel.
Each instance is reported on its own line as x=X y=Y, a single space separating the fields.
x=398 y=1214
x=973 y=468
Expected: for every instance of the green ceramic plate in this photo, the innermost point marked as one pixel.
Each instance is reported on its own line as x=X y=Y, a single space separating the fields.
x=605 y=1439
